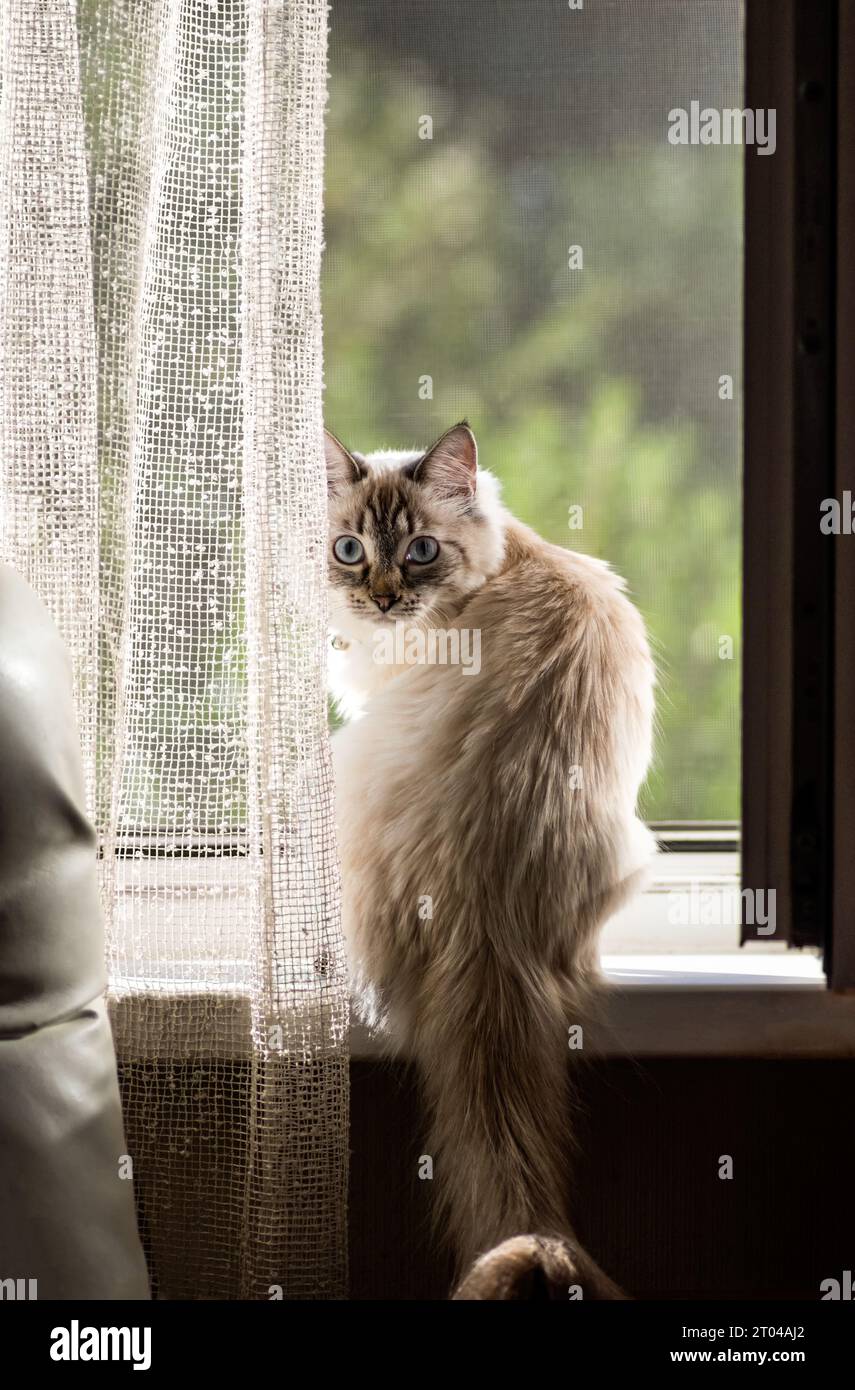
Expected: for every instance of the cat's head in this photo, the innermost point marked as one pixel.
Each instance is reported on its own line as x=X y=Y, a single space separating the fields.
x=411 y=534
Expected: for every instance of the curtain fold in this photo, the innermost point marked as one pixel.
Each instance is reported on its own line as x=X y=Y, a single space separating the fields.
x=162 y=486
x=49 y=491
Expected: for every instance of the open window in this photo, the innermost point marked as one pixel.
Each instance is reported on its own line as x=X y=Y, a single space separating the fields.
x=606 y=235
x=519 y=234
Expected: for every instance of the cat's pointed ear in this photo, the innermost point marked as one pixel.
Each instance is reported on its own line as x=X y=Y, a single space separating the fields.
x=450 y=466
x=342 y=468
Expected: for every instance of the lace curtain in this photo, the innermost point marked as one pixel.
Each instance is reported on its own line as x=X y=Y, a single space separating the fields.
x=161 y=486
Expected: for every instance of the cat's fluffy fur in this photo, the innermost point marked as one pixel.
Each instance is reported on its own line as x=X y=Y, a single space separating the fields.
x=459 y=792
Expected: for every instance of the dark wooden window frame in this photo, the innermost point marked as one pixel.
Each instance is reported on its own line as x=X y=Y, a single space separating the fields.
x=798 y=783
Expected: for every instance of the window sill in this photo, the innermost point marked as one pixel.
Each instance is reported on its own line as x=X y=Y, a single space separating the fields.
x=738 y=1005
x=673 y=990
x=656 y=1006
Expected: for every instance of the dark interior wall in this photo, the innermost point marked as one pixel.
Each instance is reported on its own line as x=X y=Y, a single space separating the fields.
x=649 y=1202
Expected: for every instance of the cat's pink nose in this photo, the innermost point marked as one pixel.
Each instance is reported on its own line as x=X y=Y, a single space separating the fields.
x=384 y=601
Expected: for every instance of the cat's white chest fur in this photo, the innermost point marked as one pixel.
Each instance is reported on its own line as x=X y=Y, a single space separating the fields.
x=356 y=672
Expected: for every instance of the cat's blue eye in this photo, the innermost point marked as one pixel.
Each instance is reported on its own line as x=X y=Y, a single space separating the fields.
x=349 y=550
x=422 y=550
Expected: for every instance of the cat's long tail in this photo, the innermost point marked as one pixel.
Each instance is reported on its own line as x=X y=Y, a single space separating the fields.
x=496 y=1083
x=535 y=1269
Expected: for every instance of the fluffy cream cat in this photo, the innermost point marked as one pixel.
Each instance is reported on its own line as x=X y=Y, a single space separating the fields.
x=486 y=818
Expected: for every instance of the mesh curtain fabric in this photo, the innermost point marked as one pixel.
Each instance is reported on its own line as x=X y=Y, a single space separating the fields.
x=161 y=486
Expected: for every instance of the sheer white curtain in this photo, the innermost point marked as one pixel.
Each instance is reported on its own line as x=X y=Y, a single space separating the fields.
x=161 y=485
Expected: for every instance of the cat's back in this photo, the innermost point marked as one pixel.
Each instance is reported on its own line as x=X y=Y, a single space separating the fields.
x=552 y=614
x=562 y=658
x=562 y=689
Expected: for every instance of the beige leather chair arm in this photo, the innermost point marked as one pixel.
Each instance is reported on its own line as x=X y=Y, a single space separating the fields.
x=66 y=1216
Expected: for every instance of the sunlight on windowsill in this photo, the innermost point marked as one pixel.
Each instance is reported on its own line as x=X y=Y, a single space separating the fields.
x=676 y=988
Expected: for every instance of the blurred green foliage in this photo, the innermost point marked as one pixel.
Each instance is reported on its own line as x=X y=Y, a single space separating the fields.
x=596 y=387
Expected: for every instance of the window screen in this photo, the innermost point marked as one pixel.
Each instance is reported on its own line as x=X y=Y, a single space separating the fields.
x=512 y=238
